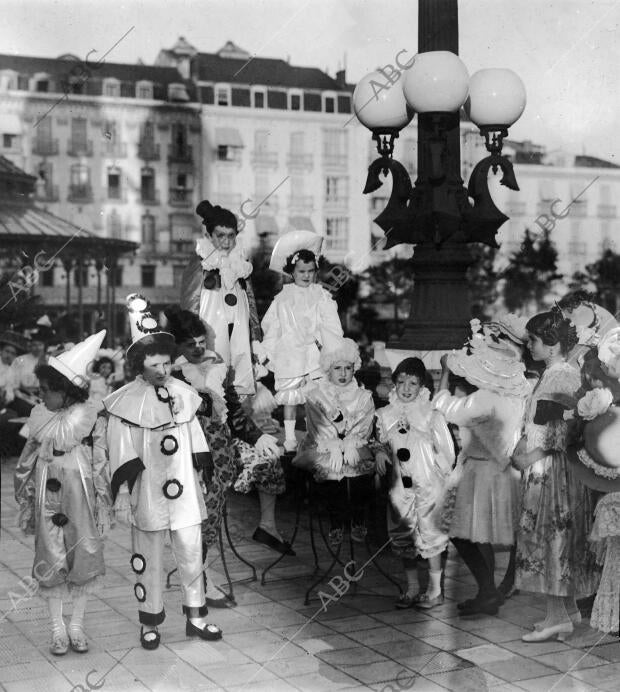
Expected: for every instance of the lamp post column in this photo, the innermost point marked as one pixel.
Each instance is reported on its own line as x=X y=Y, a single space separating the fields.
x=440 y=310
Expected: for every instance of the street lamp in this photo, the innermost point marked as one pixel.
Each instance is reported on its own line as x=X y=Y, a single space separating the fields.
x=436 y=86
x=437 y=213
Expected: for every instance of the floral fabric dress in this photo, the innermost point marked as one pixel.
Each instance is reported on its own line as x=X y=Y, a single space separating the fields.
x=422 y=450
x=553 y=556
x=62 y=485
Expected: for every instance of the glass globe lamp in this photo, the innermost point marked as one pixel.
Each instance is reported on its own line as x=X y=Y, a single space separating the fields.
x=380 y=105
x=496 y=98
x=437 y=82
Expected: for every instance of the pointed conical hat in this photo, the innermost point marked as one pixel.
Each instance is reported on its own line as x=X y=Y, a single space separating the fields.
x=144 y=327
x=292 y=242
x=75 y=363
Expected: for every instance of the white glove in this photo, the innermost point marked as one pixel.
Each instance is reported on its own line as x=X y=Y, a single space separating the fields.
x=351 y=453
x=268 y=446
x=335 y=456
x=259 y=351
x=381 y=462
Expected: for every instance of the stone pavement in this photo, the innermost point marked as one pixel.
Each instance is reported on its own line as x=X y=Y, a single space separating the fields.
x=272 y=641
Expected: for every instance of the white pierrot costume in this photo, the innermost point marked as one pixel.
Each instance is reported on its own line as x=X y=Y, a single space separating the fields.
x=156 y=448
x=299 y=323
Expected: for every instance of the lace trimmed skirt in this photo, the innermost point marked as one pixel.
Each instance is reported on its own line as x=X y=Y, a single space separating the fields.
x=606 y=531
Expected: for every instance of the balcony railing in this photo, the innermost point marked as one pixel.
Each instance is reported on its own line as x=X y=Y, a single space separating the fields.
x=337 y=202
x=148 y=150
x=180 y=196
x=80 y=193
x=300 y=161
x=577 y=248
x=47 y=193
x=116 y=149
x=149 y=197
x=301 y=202
x=180 y=154
x=265 y=158
x=117 y=194
x=80 y=148
x=334 y=160
x=45 y=147
x=607 y=211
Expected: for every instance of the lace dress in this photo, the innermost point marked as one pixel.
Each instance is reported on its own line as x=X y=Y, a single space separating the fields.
x=553 y=556
x=606 y=531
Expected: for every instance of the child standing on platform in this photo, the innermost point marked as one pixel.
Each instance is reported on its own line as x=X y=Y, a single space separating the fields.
x=63 y=488
x=420 y=449
x=301 y=320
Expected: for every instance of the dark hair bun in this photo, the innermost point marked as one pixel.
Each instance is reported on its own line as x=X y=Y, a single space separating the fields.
x=553 y=328
x=183 y=324
x=213 y=216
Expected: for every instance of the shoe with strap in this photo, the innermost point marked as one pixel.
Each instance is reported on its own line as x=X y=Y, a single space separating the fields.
x=60 y=641
x=77 y=638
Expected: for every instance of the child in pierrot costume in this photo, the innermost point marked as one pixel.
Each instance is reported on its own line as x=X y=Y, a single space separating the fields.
x=420 y=450
x=62 y=485
x=157 y=449
x=301 y=320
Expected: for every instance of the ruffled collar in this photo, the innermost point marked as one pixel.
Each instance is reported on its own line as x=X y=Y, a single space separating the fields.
x=146 y=406
x=414 y=413
x=341 y=395
x=232 y=266
x=65 y=428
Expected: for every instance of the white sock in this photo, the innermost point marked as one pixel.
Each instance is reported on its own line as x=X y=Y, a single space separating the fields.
x=55 y=607
x=435 y=583
x=289 y=429
x=79 y=608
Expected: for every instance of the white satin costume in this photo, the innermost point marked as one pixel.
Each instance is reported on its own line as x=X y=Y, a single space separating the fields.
x=299 y=322
x=422 y=450
x=156 y=448
x=339 y=425
x=217 y=287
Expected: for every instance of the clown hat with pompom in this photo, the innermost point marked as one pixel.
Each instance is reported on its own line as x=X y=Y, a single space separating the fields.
x=144 y=327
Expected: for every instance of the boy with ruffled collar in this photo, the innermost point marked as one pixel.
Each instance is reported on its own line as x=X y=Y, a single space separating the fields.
x=216 y=286
x=339 y=418
x=156 y=448
x=421 y=452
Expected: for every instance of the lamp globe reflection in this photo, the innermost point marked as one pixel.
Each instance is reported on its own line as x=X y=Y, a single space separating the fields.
x=437 y=82
x=380 y=106
x=496 y=98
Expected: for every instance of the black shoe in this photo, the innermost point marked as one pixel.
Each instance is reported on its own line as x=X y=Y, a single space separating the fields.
x=483 y=606
x=507 y=590
x=467 y=604
x=261 y=536
x=209 y=632
x=150 y=644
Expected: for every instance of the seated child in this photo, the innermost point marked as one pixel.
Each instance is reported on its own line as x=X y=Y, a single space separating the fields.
x=339 y=418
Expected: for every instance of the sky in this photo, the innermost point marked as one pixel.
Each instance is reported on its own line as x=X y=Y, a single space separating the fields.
x=566 y=51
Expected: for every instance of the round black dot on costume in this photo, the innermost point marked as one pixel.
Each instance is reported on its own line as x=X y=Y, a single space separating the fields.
x=403 y=454
x=169 y=445
x=162 y=394
x=173 y=489
x=230 y=299
x=53 y=485
x=210 y=281
x=60 y=519
x=402 y=431
x=138 y=563
x=140 y=592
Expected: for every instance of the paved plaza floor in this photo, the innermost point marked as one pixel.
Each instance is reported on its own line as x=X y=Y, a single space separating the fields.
x=272 y=641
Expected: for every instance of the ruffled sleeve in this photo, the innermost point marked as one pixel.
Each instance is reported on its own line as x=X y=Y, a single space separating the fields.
x=272 y=331
x=442 y=443
x=24 y=480
x=560 y=385
x=463 y=411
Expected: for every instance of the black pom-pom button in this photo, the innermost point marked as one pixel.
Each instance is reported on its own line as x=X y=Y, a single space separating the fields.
x=173 y=489
x=169 y=445
x=403 y=454
x=53 y=485
x=60 y=519
x=210 y=281
x=162 y=394
x=138 y=563
x=140 y=592
x=230 y=299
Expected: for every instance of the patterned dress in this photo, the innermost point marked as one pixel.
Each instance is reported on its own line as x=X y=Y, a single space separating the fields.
x=553 y=556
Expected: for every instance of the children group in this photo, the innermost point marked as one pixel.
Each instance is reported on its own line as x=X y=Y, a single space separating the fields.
x=535 y=447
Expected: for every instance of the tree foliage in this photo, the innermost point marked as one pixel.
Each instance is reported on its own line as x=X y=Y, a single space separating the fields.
x=483 y=280
x=531 y=273
x=604 y=277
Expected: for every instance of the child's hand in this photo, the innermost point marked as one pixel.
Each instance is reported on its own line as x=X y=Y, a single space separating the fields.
x=351 y=454
x=381 y=461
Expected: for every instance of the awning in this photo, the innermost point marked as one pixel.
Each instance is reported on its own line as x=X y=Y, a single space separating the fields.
x=302 y=223
x=227 y=137
x=266 y=224
x=10 y=124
